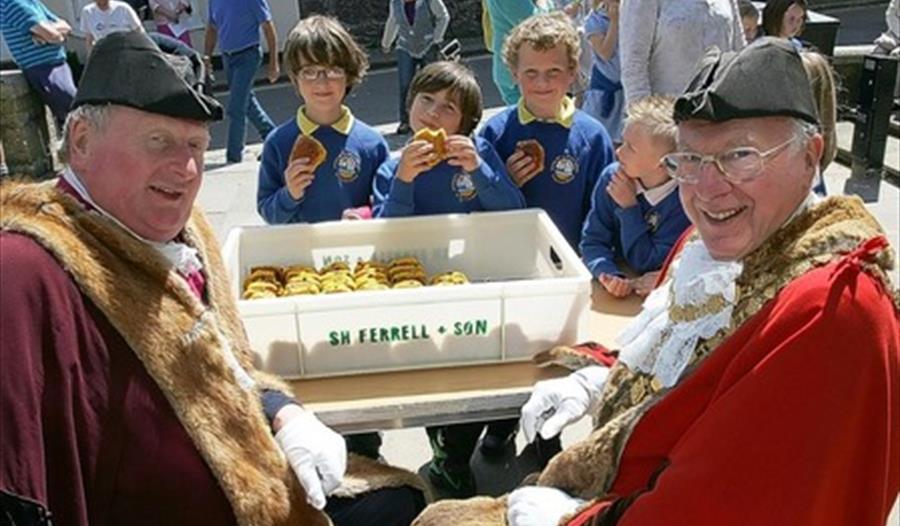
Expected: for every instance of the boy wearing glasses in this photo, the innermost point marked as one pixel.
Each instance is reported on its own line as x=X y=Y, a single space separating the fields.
x=553 y=151
x=324 y=63
x=636 y=216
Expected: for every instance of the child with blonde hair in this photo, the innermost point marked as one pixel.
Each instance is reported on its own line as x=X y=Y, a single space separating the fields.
x=553 y=151
x=636 y=215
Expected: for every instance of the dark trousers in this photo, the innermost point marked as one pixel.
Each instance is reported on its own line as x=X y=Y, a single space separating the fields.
x=407 y=66
x=55 y=86
x=385 y=507
x=365 y=444
x=458 y=441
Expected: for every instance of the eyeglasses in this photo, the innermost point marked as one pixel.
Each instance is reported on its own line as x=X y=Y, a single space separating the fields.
x=313 y=73
x=738 y=165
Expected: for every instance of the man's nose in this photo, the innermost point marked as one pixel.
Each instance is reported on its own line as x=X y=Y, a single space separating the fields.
x=711 y=182
x=186 y=163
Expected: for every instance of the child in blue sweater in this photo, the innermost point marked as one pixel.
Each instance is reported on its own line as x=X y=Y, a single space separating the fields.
x=324 y=63
x=636 y=215
x=444 y=95
x=542 y=52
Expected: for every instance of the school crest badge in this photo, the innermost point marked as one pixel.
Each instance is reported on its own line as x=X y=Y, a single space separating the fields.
x=346 y=166
x=463 y=186
x=564 y=168
x=652 y=220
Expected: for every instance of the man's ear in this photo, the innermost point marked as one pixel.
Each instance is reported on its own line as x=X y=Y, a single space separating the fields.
x=80 y=142
x=815 y=148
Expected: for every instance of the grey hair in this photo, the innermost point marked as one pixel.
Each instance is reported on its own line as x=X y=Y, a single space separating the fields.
x=804 y=128
x=95 y=115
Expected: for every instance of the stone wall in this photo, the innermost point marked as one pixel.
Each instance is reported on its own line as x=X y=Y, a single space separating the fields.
x=26 y=128
x=365 y=18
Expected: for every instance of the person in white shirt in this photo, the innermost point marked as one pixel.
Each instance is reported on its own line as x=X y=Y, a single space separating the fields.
x=102 y=17
x=661 y=41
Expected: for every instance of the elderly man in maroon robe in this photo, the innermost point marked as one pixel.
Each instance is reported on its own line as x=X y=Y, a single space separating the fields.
x=127 y=393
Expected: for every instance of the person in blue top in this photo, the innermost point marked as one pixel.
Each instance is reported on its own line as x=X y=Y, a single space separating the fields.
x=504 y=15
x=444 y=95
x=636 y=216
x=234 y=25
x=542 y=53
x=604 y=99
x=35 y=38
x=324 y=63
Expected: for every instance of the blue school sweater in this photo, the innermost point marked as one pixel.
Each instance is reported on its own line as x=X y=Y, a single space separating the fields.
x=447 y=189
x=641 y=236
x=343 y=180
x=576 y=147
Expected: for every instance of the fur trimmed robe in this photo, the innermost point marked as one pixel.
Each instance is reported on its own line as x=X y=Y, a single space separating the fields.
x=788 y=416
x=184 y=346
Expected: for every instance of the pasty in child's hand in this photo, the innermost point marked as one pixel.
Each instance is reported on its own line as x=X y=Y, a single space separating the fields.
x=438 y=139
x=306 y=147
x=533 y=149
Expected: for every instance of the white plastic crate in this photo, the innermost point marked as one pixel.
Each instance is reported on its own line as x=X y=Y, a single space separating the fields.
x=529 y=291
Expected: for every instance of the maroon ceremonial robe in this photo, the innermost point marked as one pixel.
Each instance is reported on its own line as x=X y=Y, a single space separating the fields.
x=118 y=402
x=95 y=441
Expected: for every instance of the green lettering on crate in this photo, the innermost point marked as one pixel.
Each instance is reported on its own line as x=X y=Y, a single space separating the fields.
x=339 y=338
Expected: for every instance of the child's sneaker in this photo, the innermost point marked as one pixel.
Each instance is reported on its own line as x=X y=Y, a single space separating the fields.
x=494 y=446
x=457 y=483
x=455 y=479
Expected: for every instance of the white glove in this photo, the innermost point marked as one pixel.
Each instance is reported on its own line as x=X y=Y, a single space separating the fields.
x=539 y=506
x=317 y=454
x=556 y=403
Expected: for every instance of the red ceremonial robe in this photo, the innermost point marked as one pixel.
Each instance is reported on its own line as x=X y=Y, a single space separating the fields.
x=792 y=418
x=796 y=416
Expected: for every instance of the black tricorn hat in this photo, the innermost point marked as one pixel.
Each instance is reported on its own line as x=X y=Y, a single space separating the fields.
x=128 y=68
x=764 y=79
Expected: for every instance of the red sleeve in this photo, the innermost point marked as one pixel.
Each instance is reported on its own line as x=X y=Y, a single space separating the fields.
x=804 y=426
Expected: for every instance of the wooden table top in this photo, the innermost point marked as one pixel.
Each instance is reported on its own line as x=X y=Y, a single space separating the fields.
x=387 y=400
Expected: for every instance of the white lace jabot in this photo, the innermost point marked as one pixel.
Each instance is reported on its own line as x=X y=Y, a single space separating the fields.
x=655 y=344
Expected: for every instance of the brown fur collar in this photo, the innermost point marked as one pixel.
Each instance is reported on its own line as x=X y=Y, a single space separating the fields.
x=179 y=341
x=816 y=237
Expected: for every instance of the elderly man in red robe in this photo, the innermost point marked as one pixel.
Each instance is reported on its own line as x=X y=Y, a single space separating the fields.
x=127 y=391
x=759 y=384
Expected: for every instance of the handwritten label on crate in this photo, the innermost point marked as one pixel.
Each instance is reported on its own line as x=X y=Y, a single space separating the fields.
x=389 y=337
x=352 y=254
